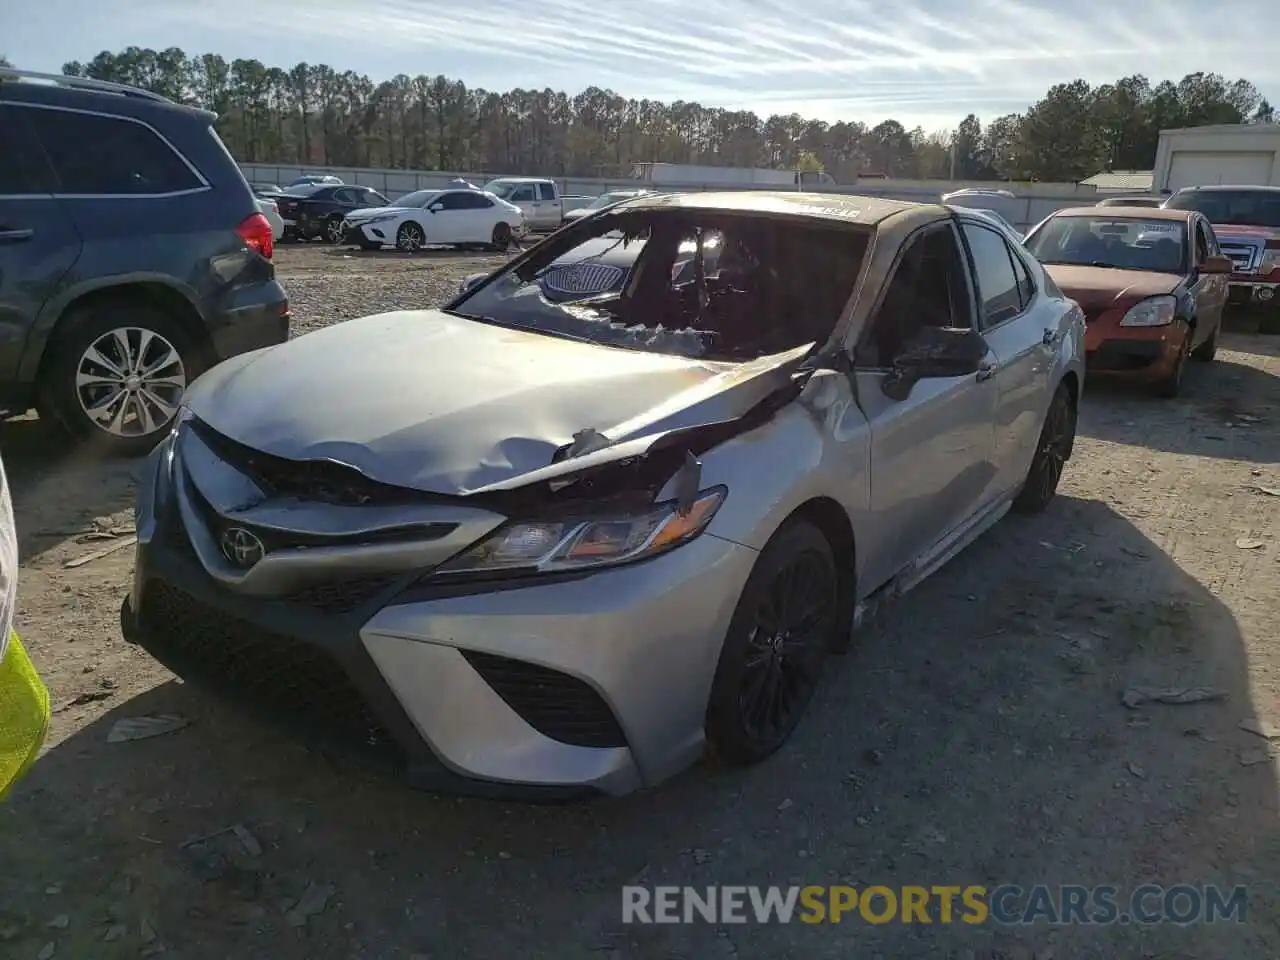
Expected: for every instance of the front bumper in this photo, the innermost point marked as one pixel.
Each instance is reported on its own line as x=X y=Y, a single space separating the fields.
x=535 y=691
x=1140 y=352
x=1247 y=292
x=367 y=233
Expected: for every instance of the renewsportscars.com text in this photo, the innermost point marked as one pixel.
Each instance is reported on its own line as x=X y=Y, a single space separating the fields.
x=1008 y=904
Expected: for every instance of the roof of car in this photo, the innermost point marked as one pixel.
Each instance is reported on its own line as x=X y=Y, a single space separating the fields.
x=1218 y=187
x=846 y=208
x=1121 y=213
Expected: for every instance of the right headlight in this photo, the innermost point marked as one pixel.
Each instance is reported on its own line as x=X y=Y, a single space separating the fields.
x=1151 y=312
x=553 y=546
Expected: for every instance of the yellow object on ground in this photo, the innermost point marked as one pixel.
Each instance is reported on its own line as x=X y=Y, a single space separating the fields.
x=24 y=713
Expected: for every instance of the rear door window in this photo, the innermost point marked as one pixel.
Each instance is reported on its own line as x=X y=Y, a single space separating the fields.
x=993 y=268
x=23 y=169
x=546 y=191
x=96 y=155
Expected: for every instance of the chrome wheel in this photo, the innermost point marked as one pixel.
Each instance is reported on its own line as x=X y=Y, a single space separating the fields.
x=334 y=231
x=410 y=238
x=130 y=381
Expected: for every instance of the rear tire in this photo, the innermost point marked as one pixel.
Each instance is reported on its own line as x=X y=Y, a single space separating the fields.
x=116 y=373
x=776 y=646
x=334 y=232
x=1057 y=437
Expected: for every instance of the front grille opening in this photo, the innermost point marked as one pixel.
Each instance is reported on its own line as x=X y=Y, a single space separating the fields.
x=555 y=704
x=296 y=684
x=342 y=596
x=582 y=278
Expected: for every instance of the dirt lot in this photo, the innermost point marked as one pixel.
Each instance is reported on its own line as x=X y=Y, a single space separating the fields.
x=976 y=735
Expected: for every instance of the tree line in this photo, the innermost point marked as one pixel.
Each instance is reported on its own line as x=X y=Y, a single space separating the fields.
x=313 y=114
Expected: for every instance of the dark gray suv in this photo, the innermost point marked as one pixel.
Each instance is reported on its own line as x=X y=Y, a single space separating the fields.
x=133 y=256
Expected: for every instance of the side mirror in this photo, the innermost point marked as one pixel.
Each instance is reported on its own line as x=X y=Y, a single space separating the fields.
x=434 y=208
x=934 y=352
x=1217 y=265
x=470 y=282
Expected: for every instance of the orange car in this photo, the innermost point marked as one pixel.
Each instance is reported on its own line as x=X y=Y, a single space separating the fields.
x=1152 y=284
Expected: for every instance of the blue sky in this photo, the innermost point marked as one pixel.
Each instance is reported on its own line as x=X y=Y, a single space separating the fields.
x=926 y=62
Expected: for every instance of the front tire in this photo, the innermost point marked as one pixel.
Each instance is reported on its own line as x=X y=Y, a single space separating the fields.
x=776 y=646
x=116 y=375
x=1209 y=349
x=502 y=237
x=1171 y=385
x=334 y=231
x=1057 y=437
x=410 y=238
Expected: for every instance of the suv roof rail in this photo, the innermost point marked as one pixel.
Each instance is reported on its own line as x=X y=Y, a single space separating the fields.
x=82 y=83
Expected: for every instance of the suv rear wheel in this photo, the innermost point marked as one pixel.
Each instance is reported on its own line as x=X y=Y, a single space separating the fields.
x=116 y=374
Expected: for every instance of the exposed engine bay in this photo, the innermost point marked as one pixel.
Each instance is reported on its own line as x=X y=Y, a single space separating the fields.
x=708 y=285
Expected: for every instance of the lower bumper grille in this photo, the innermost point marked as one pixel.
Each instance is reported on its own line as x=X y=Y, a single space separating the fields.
x=555 y=704
x=297 y=683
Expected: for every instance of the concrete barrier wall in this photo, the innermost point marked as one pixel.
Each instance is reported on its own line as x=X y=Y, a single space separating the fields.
x=1034 y=202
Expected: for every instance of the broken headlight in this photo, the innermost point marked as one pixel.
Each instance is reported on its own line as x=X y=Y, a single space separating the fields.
x=560 y=545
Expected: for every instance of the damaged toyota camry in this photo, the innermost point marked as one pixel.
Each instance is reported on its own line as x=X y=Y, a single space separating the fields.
x=528 y=548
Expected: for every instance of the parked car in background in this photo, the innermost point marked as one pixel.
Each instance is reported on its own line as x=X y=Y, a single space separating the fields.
x=1152 y=284
x=318 y=209
x=126 y=269
x=602 y=201
x=552 y=566
x=1003 y=203
x=461 y=218
x=310 y=179
x=1134 y=201
x=272 y=213
x=1246 y=221
x=267 y=190
x=537 y=197
x=1001 y=221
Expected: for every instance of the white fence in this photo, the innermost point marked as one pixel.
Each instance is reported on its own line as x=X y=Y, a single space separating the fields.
x=1035 y=201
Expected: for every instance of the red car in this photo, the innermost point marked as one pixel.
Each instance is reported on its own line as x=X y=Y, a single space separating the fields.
x=1152 y=284
x=1247 y=222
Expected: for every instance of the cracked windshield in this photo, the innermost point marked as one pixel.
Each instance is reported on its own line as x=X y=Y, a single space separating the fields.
x=527 y=481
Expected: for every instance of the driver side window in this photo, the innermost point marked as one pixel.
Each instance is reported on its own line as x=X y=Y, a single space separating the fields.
x=928 y=289
x=521 y=195
x=1202 y=244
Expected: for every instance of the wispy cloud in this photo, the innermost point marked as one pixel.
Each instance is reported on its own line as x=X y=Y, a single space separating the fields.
x=926 y=62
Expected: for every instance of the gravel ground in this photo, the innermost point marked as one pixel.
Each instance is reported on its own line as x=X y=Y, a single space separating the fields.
x=328 y=284
x=975 y=735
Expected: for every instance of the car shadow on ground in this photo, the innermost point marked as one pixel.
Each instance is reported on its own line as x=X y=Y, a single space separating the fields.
x=60 y=487
x=974 y=735
x=1210 y=418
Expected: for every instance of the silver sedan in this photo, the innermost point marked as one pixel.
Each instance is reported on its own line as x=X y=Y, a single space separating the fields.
x=534 y=548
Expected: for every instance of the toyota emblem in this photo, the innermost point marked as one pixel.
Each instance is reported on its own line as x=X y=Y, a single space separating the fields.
x=241 y=547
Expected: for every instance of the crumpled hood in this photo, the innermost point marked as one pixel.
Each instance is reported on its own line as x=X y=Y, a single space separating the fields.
x=439 y=403
x=1100 y=288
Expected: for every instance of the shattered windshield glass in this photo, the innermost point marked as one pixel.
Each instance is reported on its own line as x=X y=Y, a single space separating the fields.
x=714 y=285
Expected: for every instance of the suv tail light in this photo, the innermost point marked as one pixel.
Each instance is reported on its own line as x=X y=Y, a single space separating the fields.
x=255 y=231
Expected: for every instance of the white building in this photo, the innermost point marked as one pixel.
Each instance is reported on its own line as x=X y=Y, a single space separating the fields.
x=1237 y=153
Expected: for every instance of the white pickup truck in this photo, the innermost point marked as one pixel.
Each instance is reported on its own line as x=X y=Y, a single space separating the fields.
x=538 y=198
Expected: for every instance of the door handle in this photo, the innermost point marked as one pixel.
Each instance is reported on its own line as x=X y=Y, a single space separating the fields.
x=986 y=370
x=17 y=235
